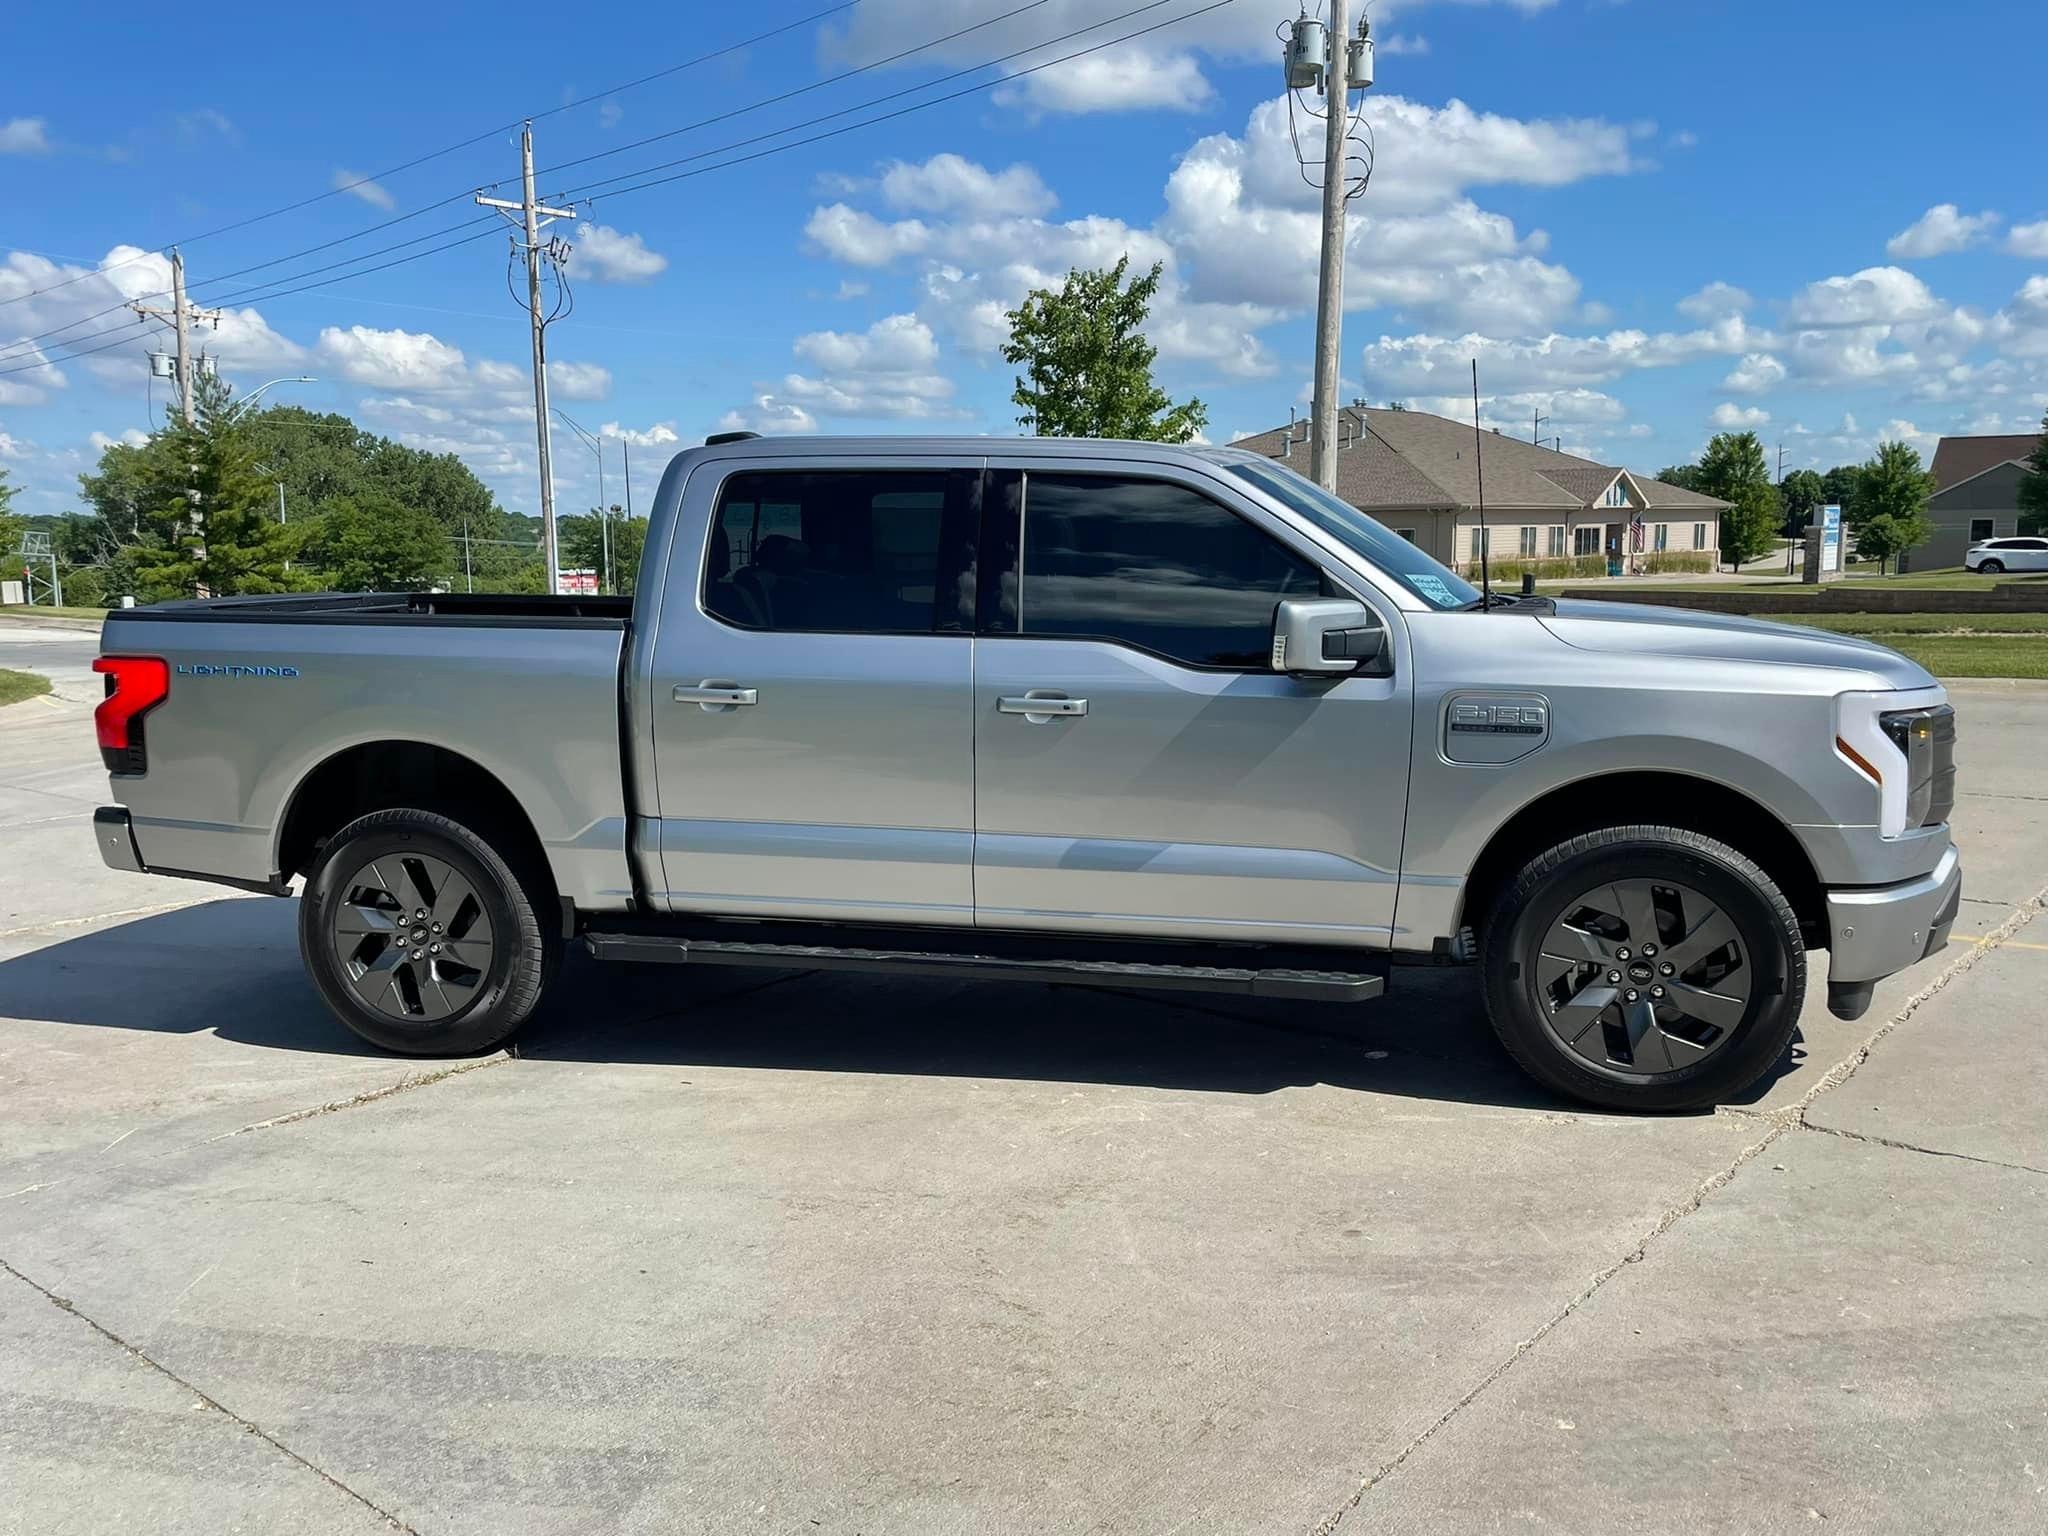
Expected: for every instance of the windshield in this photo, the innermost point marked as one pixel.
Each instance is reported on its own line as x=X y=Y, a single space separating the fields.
x=1437 y=585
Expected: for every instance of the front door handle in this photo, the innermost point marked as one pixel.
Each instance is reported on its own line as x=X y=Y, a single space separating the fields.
x=1033 y=707
x=716 y=696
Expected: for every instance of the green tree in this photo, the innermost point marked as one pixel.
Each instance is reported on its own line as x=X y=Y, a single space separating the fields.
x=1685 y=476
x=2033 y=497
x=208 y=518
x=582 y=542
x=1733 y=470
x=1087 y=367
x=1801 y=491
x=10 y=531
x=1838 y=487
x=373 y=542
x=1891 y=503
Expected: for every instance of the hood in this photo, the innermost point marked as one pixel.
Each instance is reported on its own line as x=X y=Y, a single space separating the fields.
x=1645 y=629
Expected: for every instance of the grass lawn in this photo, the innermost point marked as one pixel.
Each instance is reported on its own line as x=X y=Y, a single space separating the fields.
x=1953 y=579
x=16 y=686
x=1879 y=625
x=1974 y=655
x=43 y=611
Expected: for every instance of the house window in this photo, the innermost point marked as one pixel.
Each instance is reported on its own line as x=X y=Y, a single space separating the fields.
x=1617 y=495
x=1586 y=541
x=1699 y=535
x=1529 y=543
x=1661 y=539
x=1406 y=533
x=1555 y=548
x=1482 y=543
x=1980 y=529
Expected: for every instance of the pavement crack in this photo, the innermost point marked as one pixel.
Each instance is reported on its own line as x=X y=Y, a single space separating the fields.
x=213 y=1404
x=1907 y=1146
x=369 y=1096
x=1780 y=1121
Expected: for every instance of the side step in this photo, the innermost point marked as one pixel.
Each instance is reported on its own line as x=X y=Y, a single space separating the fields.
x=1302 y=985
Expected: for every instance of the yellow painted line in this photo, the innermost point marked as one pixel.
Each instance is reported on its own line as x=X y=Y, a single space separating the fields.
x=2002 y=944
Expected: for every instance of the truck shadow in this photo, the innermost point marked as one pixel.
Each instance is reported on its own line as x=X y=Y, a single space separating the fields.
x=232 y=968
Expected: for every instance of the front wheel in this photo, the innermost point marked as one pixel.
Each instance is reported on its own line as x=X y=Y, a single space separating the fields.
x=1991 y=568
x=1645 y=968
x=421 y=937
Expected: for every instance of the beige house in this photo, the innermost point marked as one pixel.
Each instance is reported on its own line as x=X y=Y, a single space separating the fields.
x=1419 y=474
x=1976 y=496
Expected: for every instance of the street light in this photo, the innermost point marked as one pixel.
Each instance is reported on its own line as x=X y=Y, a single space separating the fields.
x=249 y=399
x=604 y=524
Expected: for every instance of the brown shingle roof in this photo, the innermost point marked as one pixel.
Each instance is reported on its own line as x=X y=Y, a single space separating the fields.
x=1958 y=458
x=1417 y=459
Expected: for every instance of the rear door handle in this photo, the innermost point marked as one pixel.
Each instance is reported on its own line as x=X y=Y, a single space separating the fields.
x=1034 y=707
x=716 y=697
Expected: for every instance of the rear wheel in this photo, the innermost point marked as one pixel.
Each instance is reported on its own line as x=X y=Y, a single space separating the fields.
x=1644 y=968
x=421 y=937
x=1991 y=567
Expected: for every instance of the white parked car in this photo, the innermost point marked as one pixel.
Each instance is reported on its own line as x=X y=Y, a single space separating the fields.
x=1996 y=556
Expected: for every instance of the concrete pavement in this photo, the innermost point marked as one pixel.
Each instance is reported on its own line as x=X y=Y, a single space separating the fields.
x=805 y=1252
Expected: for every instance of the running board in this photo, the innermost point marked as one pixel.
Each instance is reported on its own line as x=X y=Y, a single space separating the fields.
x=1301 y=985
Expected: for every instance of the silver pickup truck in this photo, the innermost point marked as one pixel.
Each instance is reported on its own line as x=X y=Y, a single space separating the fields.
x=1055 y=711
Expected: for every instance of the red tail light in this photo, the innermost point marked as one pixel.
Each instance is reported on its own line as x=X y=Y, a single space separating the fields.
x=135 y=685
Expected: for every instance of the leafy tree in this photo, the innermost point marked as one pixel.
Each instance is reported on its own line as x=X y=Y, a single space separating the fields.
x=1733 y=469
x=208 y=518
x=10 y=531
x=373 y=542
x=1685 y=476
x=1088 y=370
x=1838 y=487
x=2033 y=496
x=1891 y=503
x=1801 y=491
x=582 y=543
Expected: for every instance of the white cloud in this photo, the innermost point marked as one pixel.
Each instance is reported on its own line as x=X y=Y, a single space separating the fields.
x=361 y=187
x=1737 y=417
x=1941 y=229
x=24 y=136
x=613 y=256
x=1874 y=296
x=849 y=235
x=1715 y=300
x=206 y=122
x=12 y=447
x=1395 y=44
x=394 y=359
x=1128 y=78
x=609 y=113
x=1757 y=372
x=2028 y=240
x=1433 y=364
x=899 y=343
x=132 y=437
x=27 y=374
x=660 y=433
x=886 y=371
x=949 y=184
x=767 y=414
x=579 y=381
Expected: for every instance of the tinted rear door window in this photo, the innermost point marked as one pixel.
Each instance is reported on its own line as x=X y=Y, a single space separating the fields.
x=845 y=551
x=1156 y=566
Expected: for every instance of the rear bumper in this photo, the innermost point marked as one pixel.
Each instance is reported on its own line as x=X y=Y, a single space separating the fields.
x=1874 y=931
x=114 y=831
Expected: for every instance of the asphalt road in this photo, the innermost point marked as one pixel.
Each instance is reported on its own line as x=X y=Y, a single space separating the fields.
x=799 y=1253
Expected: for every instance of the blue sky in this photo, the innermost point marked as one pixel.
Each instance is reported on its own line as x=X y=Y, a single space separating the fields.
x=1648 y=219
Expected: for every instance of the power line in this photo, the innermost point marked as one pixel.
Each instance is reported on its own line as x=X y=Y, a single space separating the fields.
x=264 y=294
x=419 y=160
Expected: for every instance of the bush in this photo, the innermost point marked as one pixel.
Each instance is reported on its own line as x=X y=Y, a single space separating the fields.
x=1664 y=562
x=85 y=586
x=1570 y=568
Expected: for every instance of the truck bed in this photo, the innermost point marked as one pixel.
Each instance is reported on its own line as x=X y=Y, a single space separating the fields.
x=497 y=609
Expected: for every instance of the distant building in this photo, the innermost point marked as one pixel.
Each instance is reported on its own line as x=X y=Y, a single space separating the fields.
x=1417 y=473
x=1976 y=496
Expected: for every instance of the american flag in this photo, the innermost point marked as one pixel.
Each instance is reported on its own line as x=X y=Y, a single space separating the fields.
x=1635 y=530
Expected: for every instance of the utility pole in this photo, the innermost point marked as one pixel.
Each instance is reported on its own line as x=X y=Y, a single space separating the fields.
x=1330 y=287
x=536 y=218
x=180 y=317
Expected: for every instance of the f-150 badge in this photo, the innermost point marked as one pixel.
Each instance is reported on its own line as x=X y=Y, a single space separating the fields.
x=1494 y=728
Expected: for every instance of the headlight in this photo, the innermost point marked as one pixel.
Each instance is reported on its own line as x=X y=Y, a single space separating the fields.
x=1905 y=744
x=1927 y=738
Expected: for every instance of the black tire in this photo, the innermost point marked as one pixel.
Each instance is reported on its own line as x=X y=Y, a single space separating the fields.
x=517 y=945
x=1536 y=906
x=1991 y=568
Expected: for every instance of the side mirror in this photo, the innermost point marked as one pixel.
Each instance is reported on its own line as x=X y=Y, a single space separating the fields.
x=1325 y=636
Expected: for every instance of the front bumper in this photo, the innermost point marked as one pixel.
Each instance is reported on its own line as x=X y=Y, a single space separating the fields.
x=1876 y=930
